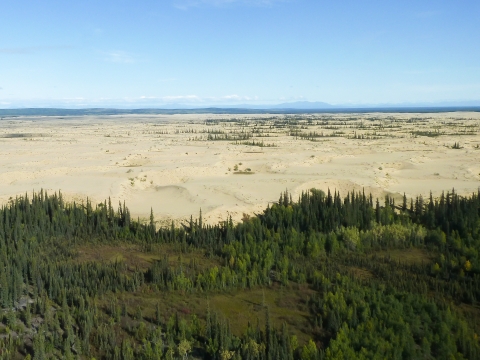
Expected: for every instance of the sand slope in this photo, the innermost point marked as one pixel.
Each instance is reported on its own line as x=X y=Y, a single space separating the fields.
x=166 y=162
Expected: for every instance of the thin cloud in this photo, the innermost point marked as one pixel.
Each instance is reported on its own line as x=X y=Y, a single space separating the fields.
x=32 y=49
x=169 y=98
x=75 y=99
x=186 y=4
x=196 y=98
x=234 y=98
x=121 y=57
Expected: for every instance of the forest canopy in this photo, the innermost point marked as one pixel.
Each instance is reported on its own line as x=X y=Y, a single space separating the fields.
x=318 y=277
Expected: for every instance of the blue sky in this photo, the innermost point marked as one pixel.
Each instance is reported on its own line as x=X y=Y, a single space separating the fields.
x=212 y=52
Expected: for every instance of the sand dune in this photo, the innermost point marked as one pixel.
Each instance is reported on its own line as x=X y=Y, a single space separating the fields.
x=167 y=163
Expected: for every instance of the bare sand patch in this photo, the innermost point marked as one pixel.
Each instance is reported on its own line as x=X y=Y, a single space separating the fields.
x=177 y=164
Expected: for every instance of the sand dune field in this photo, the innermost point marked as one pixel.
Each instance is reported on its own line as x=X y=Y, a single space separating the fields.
x=236 y=164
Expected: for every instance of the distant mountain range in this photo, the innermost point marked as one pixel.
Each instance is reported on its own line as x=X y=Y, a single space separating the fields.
x=290 y=107
x=318 y=105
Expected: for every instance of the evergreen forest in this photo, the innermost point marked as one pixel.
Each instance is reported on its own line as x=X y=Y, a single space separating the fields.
x=318 y=277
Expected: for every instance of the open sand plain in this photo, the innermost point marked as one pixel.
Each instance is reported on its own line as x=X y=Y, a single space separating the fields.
x=236 y=164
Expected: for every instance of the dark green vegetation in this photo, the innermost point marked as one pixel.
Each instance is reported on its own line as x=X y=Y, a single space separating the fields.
x=320 y=278
x=256 y=131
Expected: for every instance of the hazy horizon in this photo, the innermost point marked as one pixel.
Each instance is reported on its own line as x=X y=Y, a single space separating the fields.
x=296 y=107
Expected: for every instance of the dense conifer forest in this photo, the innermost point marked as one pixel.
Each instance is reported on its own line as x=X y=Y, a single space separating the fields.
x=358 y=278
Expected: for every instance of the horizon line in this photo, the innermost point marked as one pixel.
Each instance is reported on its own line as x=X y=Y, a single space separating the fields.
x=61 y=111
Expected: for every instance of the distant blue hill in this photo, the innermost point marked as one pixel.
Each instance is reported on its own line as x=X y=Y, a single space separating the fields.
x=284 y=108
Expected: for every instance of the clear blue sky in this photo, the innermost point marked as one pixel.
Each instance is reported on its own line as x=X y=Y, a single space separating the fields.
x=144 y=53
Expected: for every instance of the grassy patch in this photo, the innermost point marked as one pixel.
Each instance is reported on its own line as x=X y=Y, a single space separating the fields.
x=472 y=314
x=286 y=304
x=108 y=253
x=360 y=273
x=240 y=307
x=409 y=256
x=135 y=258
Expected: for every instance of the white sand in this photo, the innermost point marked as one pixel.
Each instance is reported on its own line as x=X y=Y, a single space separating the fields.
x=154 y=161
